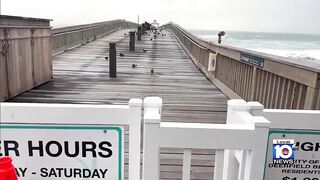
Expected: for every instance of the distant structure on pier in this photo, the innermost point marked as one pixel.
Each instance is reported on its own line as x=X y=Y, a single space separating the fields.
x=155 y=23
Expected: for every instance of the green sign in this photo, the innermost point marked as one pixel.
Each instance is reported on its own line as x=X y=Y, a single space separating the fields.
x=305 y=164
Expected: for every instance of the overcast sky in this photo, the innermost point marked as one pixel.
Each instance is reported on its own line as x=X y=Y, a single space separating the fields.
x=294 y=16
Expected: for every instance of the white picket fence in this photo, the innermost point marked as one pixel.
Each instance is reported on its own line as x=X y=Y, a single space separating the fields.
x=242 y=132
x=240 y=144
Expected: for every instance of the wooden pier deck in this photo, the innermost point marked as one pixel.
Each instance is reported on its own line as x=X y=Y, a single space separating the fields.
x=81 y=76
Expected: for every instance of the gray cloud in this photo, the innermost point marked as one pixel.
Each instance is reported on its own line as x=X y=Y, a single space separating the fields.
x=296 y=16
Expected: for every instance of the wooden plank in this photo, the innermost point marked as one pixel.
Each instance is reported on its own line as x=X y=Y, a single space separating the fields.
x=236 y=76
x=257 y=87
x=265 y=88
x=261 y=86
x=278 y=95
x=42 y=58
x=21 y=58
x=318 y=100
x=302 y=97
x=289 y=94
x=270 y=90
x=295 y=95
x=310 y=99
x=284 y=92
x=249 y=82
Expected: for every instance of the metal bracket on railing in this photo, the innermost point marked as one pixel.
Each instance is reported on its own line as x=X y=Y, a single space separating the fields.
x=33 y=41
x=5 y=53
x=6 y=44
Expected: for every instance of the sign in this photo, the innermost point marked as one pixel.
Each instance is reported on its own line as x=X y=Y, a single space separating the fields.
x=251 y=59
x=64 y=152
x=305 y=155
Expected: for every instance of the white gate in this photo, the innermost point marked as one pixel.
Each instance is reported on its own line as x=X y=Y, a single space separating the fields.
x=242 y=144
x=36 y=134
x=71 y=141
x=245 y=135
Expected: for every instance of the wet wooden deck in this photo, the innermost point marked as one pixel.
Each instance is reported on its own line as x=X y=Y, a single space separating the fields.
x=81 y=76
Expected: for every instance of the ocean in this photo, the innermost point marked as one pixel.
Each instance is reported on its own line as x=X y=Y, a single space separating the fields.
x=298 y=46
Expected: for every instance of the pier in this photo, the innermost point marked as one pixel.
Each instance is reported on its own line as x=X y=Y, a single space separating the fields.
x=81 y=76
x=195 y=78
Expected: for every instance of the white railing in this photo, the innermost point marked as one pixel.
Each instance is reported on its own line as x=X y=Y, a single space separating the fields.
x=241 y=144
x=26 y=114
x=244 y=145
x=288 y=119
x=242 y=132
x=300 y=126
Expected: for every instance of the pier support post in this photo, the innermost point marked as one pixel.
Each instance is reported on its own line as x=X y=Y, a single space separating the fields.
x=132 y=40
x=139 y=33
x=112 y=60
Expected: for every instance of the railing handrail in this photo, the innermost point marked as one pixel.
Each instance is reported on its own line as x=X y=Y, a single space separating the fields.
x=82 y=27
x=69 y=37
x=246 y=131
x=277 y=82
x=308 y=65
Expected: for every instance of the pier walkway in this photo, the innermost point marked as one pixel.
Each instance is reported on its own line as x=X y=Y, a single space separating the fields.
x=81 y=76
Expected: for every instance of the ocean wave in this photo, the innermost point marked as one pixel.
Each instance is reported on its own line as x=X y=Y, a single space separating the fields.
x=290 y=46
x=307 y=54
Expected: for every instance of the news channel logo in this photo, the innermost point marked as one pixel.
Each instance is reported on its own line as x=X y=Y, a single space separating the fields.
x=283 y=151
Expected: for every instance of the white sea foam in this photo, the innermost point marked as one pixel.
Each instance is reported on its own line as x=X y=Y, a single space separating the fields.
x=297 y=46
x=310 y=54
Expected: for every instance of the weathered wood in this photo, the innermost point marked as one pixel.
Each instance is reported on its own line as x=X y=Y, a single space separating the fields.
x=25 y=54
x=81 y=76
x=74 y=36
x=237 y=75
x=42 y=58
x=310 y=100
x=318 y=101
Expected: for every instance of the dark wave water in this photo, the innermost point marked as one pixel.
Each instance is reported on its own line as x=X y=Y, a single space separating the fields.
x=300 y=46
